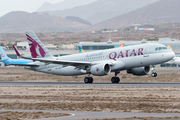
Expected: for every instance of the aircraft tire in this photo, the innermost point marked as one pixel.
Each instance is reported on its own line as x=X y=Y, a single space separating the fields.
x=91 y=80
x=113 y=79
x=117 y=79
x=86 y=80
x=152 y=74
x=155 y=74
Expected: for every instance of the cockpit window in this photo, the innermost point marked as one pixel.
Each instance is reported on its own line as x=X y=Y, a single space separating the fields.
x=160 y=48
x=165 y=48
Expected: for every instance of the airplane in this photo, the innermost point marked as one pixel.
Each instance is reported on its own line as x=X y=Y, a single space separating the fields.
x=137 y=60
x=20 y=62
x=175 y=60
x=81 y=50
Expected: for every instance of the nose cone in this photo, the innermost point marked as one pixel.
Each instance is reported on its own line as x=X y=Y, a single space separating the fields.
x=171 y=55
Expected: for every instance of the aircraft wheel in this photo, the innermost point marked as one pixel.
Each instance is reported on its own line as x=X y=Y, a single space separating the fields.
x=152 y=74
x=155 y=74
x=117 y=79
x=91 y=80
x=113 y=79
x=86 y=80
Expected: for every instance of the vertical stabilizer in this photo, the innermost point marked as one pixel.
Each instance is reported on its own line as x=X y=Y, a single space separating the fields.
x=37 y=49
x=169 y=47
x=80 y=50
x=4 y=57
x=17 y=53
x=121 y=45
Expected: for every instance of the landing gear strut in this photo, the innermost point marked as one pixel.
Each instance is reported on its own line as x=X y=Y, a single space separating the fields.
x=154 y=74
x=115 y=79
x=88 y=79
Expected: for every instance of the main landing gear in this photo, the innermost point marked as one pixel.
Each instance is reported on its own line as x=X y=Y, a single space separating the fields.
x=154 y=74
x=115 y=79
x=88 y=79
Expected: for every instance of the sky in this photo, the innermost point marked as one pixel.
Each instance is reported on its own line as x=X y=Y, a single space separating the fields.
x=7 y=6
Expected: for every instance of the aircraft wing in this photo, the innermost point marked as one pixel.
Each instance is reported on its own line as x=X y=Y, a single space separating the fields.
x=29 y=64
x=73 y=63
x=78 y=64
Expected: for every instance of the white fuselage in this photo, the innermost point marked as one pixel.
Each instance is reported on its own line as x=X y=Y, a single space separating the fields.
x=122 y=58
x=176 y=60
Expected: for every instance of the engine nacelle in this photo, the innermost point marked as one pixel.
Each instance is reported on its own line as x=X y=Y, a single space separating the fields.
x=100 y=69
x=140 y=71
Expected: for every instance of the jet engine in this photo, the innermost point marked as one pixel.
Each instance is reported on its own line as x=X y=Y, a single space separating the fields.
x=140 y=71
x=100 y=69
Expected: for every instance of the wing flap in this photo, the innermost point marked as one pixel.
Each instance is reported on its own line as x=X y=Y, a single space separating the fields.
x=64 y=62
x=81 y=64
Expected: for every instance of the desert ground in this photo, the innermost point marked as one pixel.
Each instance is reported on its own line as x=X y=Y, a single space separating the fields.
x=87 y=98
x=92 y=98
x=9 y=115
x=21 y=74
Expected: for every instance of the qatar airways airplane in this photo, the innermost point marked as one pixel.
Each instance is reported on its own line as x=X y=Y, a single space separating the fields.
x=136 y=59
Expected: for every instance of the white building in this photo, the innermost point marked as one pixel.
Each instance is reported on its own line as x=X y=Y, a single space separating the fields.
x=23 y=45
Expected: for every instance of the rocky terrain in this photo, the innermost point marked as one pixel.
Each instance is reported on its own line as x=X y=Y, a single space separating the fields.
x=163 y=11
x=18 y=22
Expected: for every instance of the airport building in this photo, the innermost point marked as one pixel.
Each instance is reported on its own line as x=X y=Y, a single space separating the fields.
x=174 y=43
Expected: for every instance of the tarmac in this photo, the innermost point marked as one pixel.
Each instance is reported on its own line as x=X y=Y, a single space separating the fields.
x=121 y=84
x=78 y=115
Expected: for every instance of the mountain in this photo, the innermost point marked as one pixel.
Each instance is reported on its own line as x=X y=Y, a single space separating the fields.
x=66 y=4
x=77 y=19
x=102 y=10
x=39 y=22
x=164 y=11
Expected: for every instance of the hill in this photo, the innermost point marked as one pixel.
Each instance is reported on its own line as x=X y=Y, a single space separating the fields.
x=101 y=10
x=66 y=4
x=39 y=22
x=77 y=19
x=164 y=11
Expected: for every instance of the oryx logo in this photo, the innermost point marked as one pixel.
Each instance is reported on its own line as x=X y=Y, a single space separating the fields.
x=35 y=47
x=97 y=69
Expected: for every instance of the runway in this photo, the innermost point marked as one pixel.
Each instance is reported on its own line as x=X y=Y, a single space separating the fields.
x=124 y=84
x=79 y=115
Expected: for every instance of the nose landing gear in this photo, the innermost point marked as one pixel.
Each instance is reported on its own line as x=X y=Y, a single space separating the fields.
x=154 y=74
